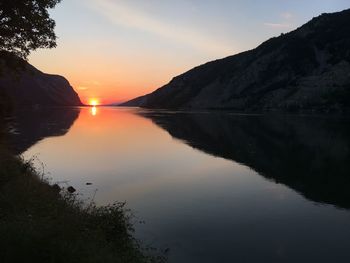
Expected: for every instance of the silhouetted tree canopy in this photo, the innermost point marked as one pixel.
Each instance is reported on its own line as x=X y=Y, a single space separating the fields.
x=25 y=25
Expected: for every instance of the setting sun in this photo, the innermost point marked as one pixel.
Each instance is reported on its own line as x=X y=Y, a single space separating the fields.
x=93 y=102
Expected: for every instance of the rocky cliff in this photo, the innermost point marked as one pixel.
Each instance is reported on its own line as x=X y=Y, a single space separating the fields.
x=306 y=69
x=27 y=86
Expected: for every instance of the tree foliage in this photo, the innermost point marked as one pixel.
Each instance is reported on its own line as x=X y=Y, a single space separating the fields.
x=25 y=25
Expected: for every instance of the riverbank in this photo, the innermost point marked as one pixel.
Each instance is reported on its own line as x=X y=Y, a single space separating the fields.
x=42 y=223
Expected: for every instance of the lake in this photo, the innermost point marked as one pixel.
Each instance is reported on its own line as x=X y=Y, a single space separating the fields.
x=209 y=186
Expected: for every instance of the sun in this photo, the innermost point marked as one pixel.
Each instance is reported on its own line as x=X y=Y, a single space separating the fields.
x=94 y=102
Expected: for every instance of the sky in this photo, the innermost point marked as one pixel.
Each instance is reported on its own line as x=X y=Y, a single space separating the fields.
x=115 y=50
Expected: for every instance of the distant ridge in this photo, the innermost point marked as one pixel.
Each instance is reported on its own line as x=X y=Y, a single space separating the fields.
x=306 y=69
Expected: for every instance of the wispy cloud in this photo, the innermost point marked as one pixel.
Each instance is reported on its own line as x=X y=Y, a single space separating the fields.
x=122 y=14
x=279 y=25
x=287 y=18
x=287 y=15
x=82 y=88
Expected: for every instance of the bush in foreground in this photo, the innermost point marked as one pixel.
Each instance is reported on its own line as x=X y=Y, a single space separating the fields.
x=40 y=224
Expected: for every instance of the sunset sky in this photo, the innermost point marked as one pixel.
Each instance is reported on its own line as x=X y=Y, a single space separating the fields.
x=114 y=50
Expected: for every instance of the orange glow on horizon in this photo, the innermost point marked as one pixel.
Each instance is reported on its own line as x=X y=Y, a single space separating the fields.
x=94 y=102
x=107 y=81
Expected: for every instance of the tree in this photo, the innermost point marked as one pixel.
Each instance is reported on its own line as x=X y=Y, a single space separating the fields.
x=25 y=25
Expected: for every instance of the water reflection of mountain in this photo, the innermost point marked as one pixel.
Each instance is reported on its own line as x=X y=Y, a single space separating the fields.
x=29 y=127
x=309 y=154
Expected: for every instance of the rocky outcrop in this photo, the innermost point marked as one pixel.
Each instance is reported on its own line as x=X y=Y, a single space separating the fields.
x=306 y=69
x=27 y=86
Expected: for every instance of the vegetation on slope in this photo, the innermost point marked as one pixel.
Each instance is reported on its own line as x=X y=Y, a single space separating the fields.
x=306 y=70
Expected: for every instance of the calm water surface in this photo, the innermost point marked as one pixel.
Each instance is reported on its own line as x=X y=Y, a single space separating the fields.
x=211 y=187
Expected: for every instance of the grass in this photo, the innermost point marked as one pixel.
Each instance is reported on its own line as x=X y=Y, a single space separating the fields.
x=39 y=223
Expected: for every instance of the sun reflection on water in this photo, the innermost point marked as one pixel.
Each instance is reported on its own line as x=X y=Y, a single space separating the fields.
x=93 y=111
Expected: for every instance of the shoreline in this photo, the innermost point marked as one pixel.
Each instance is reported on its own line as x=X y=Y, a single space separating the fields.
x=43 y=223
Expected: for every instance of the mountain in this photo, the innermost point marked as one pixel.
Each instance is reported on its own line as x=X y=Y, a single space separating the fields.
x=309 y=154
x=306 y=69
x=27 y=86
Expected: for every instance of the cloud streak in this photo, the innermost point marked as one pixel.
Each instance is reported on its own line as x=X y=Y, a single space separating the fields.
x=82 y=88
x=287 y=24
x=122 y=14
x=279 y=25
x=287 y=15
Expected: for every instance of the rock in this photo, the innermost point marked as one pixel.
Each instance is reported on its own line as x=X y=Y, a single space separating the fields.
x=71 y=189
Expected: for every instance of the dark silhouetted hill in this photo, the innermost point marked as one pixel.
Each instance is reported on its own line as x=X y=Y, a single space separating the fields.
x=27 y=86
x=306 y=69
